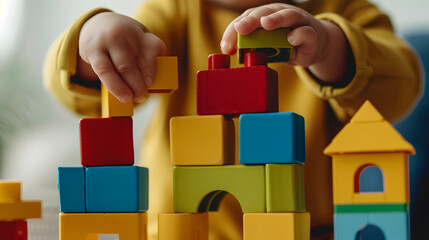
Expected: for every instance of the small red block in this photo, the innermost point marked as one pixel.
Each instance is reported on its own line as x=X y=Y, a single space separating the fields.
x=237 y=90
x=13 y=230
x=106 y=141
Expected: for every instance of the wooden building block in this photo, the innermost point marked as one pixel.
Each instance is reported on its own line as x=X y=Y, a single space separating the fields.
x=167 y=76
x=106 y=141
x=183 y=226
x=10 y=191
x=116 y=189
x=20 y=210
x=347 y=171
x=13 y=230
x=201 y=140
x=285 y=226
x=112 y=107
x=271 y=138
x=71 y=188
x=368 y=132
x=285 y=187
x=273 y=43
x=87 y=226
x=237 y=90
x=200 y=189
x=374 y=225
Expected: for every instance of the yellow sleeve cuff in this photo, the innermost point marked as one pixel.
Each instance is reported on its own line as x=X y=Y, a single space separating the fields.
x=68 y=54
x=363 y=71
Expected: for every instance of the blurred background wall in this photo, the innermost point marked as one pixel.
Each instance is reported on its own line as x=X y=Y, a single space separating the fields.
x=37 y=134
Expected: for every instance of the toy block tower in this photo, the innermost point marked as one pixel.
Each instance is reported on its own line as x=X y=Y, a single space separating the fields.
x=269 y=182
x=370 y=179
x=108 y=194
x=14 y=212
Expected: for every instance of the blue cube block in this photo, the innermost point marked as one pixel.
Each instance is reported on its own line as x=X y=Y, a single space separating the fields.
x=117 y=189
x=71 y=187
x=266 y=138
x=372 y=225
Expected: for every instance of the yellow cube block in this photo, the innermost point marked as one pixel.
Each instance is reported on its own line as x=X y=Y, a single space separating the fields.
x=112 y=107
x=85 y=226
x=285 y=226
x=201 y=140
x=183 y=226
x=10 y=191
x=20 y=210
x=167 y=76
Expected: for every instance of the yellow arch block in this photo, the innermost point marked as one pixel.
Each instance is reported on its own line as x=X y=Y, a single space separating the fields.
x=87 y=226
x=395 y=175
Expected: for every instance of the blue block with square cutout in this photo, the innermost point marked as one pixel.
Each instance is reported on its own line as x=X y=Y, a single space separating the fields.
x=117 y=189
x=71 y=188
x=266 y=138
x=373 y=225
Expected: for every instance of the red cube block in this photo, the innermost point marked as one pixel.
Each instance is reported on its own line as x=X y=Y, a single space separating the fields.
x=237 y=90
x=13 y=230
x=106 y=141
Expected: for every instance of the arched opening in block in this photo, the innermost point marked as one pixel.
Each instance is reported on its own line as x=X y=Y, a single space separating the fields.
x=369 y=179
x=370 y=232
x=225 y=210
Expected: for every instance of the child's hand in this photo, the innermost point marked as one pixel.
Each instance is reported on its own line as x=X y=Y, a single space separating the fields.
x=120 y=52
x=318 y=44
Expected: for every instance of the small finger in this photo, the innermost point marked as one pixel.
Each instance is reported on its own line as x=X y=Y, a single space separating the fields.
x=125 y=64
x=249 y=23
x=288 y=17
x=103 y=67
x=305 y=41
x=153 y=44
x=229 y=38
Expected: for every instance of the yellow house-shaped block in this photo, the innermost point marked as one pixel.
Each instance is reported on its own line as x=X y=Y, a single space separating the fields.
x=369 y=143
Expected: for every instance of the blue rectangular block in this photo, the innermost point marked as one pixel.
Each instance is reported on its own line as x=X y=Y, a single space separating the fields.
x=117 y=189
x=266 y=138
x=372 y=225
x=71 y=187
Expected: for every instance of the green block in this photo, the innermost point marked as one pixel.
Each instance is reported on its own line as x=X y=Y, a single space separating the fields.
x=274 y=43
x=285 y=187
x=367 y=208
x=201 y=189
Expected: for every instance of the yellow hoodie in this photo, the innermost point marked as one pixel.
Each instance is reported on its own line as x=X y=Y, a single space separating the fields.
x=387 y=73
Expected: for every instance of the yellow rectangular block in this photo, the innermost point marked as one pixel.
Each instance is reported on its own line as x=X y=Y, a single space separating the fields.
x=201 y=140
x=10 y=191
x=112 y=107
x=167 y=76
x=20 y=210
x=285 y=226
x=346 y=170
x=183 y=226
x=84 y=226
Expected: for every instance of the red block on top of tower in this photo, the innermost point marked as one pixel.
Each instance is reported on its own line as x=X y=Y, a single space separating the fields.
x=232 y=91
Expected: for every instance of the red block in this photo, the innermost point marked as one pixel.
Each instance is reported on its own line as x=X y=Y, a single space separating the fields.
x=13 y=230
x=106 y=141
x=237 y=90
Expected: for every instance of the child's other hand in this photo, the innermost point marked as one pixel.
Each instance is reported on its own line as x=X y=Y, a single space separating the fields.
x=120 y=52
x=309 y=35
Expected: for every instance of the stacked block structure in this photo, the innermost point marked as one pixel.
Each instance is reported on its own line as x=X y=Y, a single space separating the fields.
x=14 y=212
x=238 y=144
x=370 y=179
x=108 y=194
